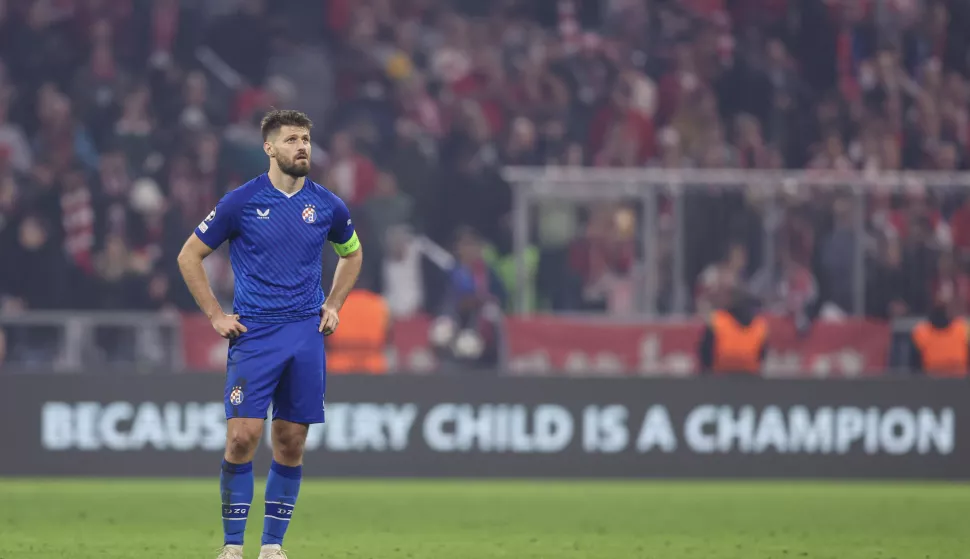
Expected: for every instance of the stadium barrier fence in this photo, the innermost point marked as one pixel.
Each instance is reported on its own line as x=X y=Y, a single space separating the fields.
x=147 y=343
x=670 y=224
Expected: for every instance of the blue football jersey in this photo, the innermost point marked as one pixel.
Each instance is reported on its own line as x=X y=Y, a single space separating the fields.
x=276 y=246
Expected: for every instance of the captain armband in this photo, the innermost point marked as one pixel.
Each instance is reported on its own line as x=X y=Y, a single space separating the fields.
x=343 y=249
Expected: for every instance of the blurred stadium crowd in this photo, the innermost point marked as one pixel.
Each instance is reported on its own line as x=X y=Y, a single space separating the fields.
x=122 y=122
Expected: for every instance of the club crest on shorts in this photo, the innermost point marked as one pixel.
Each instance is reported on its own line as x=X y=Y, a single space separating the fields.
x=236 y=396
x=309 y=213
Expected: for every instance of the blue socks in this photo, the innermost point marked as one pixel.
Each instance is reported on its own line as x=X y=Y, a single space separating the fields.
x=282 y=488
x=236 y=486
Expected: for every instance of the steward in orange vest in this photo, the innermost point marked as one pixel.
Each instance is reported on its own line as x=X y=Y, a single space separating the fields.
x=940 y=345
x=734 y=341
x=359 y=342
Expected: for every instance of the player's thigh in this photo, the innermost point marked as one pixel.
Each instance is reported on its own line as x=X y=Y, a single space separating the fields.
x=288 y=432
x=299 y=397
x=257 y=359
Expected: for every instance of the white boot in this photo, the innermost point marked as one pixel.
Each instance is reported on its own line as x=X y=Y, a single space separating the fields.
x=231 y=552
x=272 y=552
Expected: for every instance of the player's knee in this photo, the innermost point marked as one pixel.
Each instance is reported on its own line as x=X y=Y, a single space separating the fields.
x=289 y=455
x=242 y=440
x=288 y=446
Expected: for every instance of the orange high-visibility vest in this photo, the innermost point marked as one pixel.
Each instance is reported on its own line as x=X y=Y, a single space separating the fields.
x=357 y=346
x=737 y=348
x=944 y=350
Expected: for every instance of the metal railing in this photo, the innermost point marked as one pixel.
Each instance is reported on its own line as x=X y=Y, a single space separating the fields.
x=681 y=191
x=141 y=343
x=71 y=342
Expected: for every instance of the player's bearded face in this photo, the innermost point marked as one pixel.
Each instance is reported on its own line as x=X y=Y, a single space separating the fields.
x=293 y=152
x=296 y=165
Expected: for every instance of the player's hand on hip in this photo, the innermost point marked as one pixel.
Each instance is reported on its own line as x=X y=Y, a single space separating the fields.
x=328 y=320
x=228 y=325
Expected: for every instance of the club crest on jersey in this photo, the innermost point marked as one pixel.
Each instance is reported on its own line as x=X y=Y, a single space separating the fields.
x=236 y=396
x=309 y=213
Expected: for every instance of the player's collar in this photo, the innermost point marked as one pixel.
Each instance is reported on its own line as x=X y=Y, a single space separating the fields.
x=288 y=195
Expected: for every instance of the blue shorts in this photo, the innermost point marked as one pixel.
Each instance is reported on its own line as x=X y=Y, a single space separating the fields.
x=280 y=363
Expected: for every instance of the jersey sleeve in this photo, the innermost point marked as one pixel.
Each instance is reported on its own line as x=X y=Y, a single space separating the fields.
x=220 y=224
x=342 y=235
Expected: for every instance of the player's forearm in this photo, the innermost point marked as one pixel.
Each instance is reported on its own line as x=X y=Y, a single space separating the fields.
x=344 y=278
x=193 y=273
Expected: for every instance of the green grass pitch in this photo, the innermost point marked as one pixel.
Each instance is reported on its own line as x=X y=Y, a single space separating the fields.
x=405 y=519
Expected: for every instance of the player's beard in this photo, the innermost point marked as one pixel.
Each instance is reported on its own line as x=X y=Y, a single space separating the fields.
x=295 y=167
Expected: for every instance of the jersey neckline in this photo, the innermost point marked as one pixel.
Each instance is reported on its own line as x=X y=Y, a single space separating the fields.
x=288 y=196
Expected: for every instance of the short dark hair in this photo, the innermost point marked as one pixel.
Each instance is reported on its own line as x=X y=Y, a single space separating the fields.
x=278 y=118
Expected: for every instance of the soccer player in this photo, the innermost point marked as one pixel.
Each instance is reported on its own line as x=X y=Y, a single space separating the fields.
x=277 y=226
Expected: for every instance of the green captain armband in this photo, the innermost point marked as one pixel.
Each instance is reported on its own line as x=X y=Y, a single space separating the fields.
x=352 y=244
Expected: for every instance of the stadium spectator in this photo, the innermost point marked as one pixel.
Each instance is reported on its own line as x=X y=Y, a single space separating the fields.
x=403 y=272
x=951 y=283
x=387 y=207
x=718 y=281
x=472 y=282
x=734 y=340
x=34 y=273
x=358 y=346
x=603 y=259
x=838 y=258
x=787 y=290
x=15 y=151
x=920 y=258
x=352 y=175
x=960 y=230
x=941 y=344
x=889 y=292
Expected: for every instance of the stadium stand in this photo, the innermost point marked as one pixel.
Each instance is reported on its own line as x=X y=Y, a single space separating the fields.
x=122 y=122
